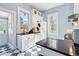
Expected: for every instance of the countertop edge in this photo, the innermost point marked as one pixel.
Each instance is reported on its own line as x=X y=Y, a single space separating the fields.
x=54 y=50
x=27 y=33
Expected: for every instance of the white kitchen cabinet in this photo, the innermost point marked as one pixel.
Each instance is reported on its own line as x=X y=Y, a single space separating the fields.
x=22 y=42
x=36 y=17
x=37 y=37
x=25 y=42
x=31 y=40
x=43 y=30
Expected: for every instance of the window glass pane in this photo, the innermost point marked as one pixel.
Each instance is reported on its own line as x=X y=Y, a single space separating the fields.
x=1 y=28
x=24 y=16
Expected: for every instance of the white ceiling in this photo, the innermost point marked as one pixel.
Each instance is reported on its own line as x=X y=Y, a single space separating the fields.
x=44 y=6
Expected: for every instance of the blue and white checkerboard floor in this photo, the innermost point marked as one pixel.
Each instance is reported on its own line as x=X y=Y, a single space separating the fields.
x=9 y=51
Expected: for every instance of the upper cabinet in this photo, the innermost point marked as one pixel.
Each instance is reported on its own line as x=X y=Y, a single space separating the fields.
x=23 y=20
x=36 y=12
x=74 y=19
x=36 y=19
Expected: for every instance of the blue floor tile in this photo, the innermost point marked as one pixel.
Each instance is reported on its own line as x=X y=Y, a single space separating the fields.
x=14 y=54
x=11 y=51
x=1 y=51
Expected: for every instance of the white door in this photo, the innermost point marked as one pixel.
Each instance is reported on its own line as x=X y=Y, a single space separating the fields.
x=3 y=28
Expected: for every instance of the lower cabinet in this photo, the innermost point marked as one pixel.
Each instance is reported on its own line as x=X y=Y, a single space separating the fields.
x=48 y=52
x=25 y=42
x=38 y=37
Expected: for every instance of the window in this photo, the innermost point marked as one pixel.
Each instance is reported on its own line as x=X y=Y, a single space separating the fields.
x=23 y=20
x=53 y=23
x=24 y=16
x=1 y=28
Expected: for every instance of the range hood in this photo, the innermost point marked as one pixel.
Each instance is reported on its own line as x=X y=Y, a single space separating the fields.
x=73 y=18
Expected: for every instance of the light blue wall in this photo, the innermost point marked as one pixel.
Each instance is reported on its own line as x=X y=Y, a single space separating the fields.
x=64 y=11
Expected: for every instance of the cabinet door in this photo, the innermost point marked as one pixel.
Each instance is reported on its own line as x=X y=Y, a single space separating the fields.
x=38 y=37
x=44 y=30
x=34 y=20
x=25 y=42
x=31 y=40
x=19 y=42
x=35 y=38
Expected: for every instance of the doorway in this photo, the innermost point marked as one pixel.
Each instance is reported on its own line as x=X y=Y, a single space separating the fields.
x=7 y=28
x=3 y=28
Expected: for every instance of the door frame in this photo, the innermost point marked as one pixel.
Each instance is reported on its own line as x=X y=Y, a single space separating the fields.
x=14 y=23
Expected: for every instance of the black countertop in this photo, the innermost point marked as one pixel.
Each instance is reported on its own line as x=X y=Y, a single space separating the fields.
x=65 y=47
x=27 y=33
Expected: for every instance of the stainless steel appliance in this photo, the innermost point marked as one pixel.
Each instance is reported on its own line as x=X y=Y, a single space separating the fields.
x=76 y=36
